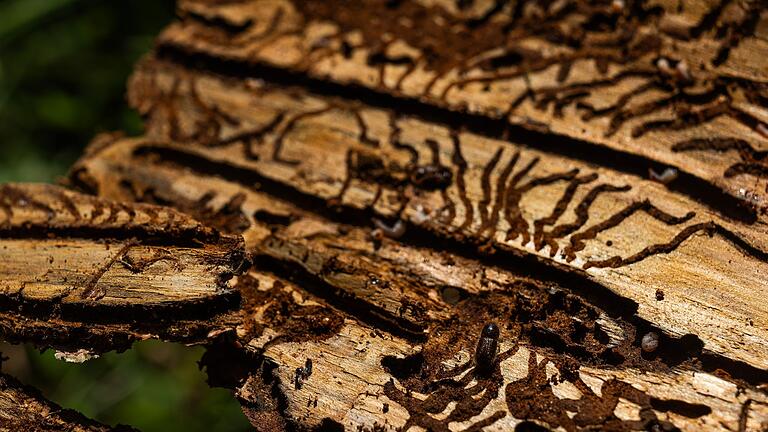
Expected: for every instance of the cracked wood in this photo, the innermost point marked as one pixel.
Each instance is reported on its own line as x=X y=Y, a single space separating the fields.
x=678 y=83
x=403 y=173
x=22 y=408
x=632 y=235
x=78 y=270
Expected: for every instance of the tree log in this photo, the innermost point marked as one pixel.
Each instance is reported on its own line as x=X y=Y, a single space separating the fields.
x=618 y=230
x=453 y=269
x=589 y=178
x=90 y=275
x=679 y=84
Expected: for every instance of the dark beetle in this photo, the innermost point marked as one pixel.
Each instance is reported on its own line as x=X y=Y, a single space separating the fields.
x=431 y=177
x=302 y=374
x=487 y=345
x=298 y=378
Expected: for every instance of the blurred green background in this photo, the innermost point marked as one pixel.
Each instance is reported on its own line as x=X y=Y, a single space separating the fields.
x=155 y=386
x=63 y=68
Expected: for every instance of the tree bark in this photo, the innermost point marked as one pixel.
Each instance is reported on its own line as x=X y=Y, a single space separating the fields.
x=22 y=407
x=588 y=177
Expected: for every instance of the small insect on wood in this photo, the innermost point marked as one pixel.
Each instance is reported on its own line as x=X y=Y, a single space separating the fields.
x=431 y=177
x=487 y=345
x=302 y=374
x=382 y=229
x=650 y=342
x=667 y=176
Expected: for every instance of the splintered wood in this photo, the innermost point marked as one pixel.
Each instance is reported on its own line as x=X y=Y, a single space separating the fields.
x=681 y=83
x=629 y=234
x=401 y=174
x=72 y=263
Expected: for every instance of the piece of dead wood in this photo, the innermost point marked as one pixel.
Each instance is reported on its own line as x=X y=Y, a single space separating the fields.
x=405 y=173
x=24 y=408
x=85 y=273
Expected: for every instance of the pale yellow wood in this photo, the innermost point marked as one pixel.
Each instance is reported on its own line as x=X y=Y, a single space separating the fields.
x=708 y=266
x=85 y=275
x=82 y=249
x=347 y=364
x=615 y=84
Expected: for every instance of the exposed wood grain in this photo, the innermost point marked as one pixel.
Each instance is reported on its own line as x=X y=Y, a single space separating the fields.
x=631 y=235
x=678 y=83
x=589 y=176
x=362 y=376
x=358 y=381
x=425 y=301
x=79 y=271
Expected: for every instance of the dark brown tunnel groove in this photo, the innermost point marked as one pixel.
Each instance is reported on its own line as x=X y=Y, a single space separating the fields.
x=356 y=307
x=539 y=268
x=687 y=184
x=137 y=315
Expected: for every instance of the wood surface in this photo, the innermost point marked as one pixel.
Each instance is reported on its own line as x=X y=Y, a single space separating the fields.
x=336 y=197
x=588 y=71
x=85 y=273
